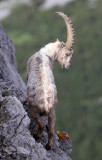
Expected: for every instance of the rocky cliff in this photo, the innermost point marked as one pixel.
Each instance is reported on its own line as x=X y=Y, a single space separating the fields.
x=16 y=124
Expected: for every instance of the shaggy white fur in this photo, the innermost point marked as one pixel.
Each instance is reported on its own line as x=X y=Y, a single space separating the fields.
x=41 y=87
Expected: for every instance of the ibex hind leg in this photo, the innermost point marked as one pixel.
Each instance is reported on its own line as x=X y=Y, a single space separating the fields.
x=51 y=124
x=35 y=112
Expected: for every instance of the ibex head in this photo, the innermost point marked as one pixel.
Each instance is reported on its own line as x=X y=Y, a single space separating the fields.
x=65 y=51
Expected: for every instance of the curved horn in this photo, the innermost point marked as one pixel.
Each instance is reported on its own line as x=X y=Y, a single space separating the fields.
x=70 y=30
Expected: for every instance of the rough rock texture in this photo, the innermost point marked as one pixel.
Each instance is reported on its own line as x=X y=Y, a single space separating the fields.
x=10 y=81
x=16 y=124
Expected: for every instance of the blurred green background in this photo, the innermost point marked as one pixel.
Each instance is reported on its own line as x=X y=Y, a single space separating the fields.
x=79 y=111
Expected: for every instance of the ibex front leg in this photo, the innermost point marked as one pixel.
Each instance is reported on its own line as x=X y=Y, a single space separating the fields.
x=51 y=124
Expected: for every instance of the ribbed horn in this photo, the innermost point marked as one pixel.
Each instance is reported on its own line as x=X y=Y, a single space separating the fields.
x=70 y=30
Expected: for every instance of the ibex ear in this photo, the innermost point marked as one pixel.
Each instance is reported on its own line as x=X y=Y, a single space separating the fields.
x=57 y=40
x=58 y=43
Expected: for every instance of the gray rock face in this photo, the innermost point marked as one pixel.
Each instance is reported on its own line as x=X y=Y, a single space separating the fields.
x=16 y=125
x=10 y=81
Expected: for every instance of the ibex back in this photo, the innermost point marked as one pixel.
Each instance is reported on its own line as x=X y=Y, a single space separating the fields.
x=41 y=88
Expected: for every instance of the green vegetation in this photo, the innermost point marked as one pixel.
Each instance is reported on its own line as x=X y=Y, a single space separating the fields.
x=79 y=111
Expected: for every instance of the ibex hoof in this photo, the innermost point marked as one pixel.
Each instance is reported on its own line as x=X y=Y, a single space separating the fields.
x=36 y=136
x=48 y=147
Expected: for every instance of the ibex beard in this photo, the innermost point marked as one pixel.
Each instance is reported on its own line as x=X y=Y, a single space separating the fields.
x=41 y=88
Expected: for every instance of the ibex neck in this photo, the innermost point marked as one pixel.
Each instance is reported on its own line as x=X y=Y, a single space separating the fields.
x=51 y=50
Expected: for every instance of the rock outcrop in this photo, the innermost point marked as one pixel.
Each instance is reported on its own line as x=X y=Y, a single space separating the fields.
x=16 y=125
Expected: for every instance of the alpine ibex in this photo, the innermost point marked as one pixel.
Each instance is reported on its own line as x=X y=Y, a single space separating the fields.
x=41 y=88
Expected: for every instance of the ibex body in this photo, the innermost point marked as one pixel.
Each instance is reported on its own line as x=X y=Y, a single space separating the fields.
x=41 y=88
